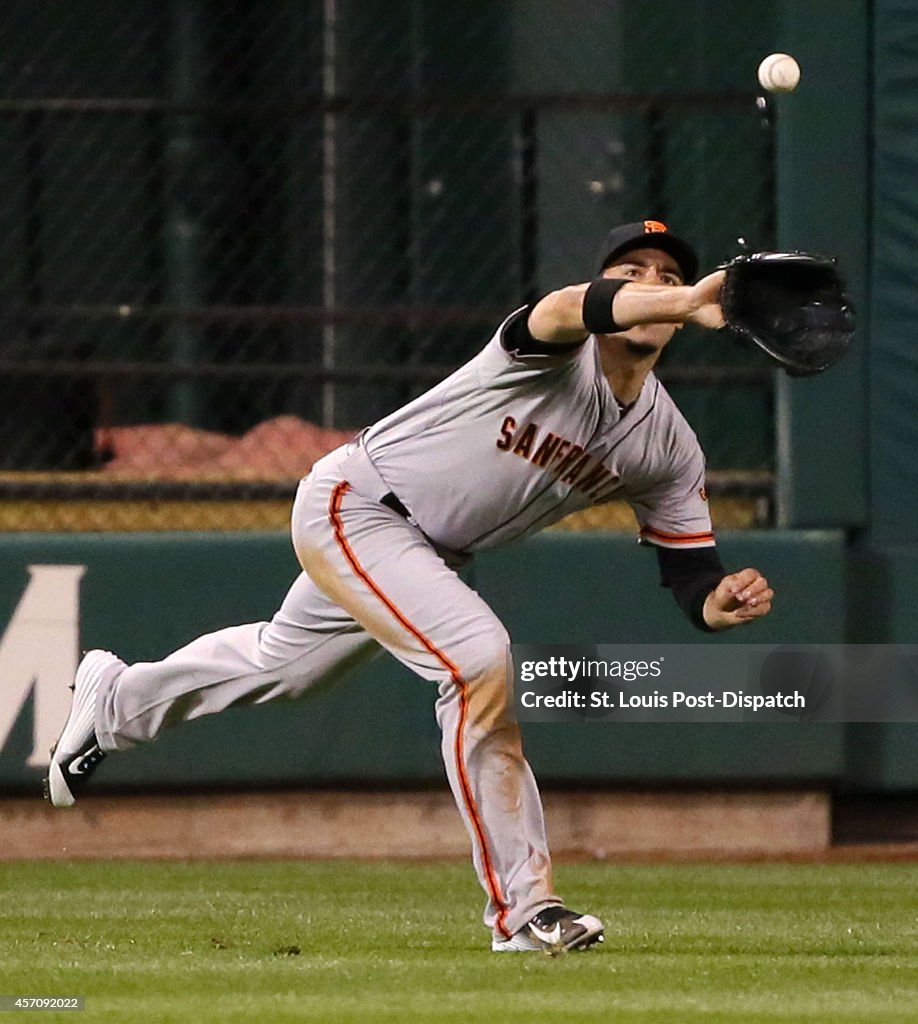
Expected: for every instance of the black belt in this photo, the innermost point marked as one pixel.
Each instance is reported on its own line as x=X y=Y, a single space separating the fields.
x=454 y=559
x=390 y=500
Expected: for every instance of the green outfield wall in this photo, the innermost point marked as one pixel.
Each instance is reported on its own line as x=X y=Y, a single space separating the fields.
x=144 y=595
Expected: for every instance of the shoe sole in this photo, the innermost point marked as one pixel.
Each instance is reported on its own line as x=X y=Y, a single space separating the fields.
x=594 y=934
x=518 y=943
x=55 y=788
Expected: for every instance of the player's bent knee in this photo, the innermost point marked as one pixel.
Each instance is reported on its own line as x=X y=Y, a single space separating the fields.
x=484 y=659
x=486 y=683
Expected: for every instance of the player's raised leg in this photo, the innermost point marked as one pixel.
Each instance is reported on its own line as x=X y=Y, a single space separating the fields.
x=117 y=706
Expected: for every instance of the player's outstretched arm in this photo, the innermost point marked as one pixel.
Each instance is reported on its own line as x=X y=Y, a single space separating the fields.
x=671 y=304
x=559 y=316
x=740 y=597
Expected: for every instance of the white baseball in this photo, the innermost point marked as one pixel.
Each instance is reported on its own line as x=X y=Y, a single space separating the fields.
x=779 y=72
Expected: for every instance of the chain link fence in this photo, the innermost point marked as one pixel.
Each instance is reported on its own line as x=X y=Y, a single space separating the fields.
x=236 y=232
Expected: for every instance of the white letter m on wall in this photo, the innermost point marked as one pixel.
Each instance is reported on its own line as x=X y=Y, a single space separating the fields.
x=39 y=652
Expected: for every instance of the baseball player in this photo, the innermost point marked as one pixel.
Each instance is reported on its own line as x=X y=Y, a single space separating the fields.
x=560 y=410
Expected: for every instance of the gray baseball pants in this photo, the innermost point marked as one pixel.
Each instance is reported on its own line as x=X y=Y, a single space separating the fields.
x=371 y=578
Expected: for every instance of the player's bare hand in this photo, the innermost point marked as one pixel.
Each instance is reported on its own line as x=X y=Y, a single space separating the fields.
x=740 y=597
x=704 y=300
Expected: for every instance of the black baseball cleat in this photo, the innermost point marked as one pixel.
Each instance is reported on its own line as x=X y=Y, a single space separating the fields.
x=553 y=930
x=77 y=753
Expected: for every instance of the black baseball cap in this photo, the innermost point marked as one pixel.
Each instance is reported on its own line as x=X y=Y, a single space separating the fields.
x=649 y=234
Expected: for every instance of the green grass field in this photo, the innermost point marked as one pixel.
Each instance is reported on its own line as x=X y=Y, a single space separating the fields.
x=342 y=941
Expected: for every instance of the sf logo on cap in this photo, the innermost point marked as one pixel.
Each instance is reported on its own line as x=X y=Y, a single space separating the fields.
x=653 y=226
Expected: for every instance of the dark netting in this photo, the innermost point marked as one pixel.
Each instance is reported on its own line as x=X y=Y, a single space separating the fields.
x=236 y=232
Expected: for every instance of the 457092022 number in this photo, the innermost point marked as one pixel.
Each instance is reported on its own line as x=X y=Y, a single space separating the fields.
x=42 y=1003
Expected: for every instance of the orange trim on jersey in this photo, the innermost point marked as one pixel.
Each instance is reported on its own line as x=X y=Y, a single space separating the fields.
x=334 y=515
x=678 y=538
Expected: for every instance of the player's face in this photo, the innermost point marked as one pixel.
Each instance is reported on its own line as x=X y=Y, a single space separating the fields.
x=647 y=266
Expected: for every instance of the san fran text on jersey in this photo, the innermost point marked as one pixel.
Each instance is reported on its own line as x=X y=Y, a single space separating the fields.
x=512 y=442
x=562 y=458
x=677 y=699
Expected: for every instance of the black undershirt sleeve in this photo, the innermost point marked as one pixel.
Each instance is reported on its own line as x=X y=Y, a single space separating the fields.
x=691 y=575
x=517 y=340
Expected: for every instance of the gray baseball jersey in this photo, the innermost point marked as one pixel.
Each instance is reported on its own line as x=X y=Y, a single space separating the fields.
x=511 y=443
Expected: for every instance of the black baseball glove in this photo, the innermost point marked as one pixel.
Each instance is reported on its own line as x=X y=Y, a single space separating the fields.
x=791 y=304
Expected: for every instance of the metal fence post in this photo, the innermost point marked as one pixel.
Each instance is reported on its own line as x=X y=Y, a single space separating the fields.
x=184 y=226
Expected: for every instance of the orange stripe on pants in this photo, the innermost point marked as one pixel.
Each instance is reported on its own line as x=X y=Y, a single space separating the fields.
x=494 y=892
